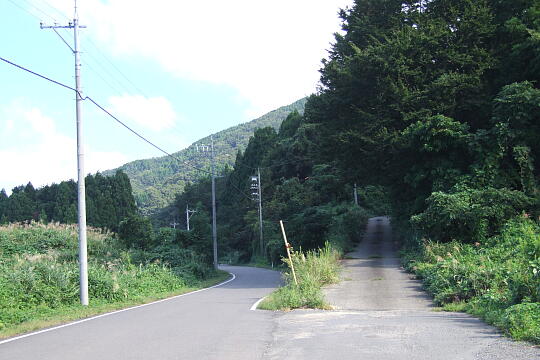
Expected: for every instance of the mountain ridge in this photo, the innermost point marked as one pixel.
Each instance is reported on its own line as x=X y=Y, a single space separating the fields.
x=156 y=181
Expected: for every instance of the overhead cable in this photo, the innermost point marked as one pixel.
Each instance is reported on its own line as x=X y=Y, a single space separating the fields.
x=104 y=110
x=125 y=125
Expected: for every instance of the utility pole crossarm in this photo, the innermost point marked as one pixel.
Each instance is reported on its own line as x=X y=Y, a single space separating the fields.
x=69 y=26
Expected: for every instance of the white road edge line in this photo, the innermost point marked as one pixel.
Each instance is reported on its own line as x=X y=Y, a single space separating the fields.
x=254 y=306
x=114 y=312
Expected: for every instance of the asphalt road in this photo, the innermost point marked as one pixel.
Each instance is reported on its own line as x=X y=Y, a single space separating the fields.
x=381 y=313
x=213 y=324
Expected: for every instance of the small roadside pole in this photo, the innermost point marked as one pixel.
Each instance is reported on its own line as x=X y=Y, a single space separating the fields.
x=287 y=246
x=189 y=214
x=173 y=224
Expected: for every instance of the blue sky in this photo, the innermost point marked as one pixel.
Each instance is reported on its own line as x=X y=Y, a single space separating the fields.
x=175 y=71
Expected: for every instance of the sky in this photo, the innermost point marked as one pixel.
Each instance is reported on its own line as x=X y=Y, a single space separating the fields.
x=174 y=71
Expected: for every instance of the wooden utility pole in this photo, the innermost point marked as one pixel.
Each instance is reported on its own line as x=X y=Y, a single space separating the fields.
x=287 y=246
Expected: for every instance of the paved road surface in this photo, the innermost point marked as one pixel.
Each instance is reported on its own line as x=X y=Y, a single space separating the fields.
x=382 y=314
x=212 y=324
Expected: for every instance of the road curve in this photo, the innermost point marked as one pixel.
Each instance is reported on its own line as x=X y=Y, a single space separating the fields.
x=212 y=324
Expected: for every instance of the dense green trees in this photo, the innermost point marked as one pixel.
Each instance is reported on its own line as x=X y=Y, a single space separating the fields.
x=431 y=104
x=108 y=199
x=136 y=232
x=311 y=198
x=438 y=102
x=157 y=181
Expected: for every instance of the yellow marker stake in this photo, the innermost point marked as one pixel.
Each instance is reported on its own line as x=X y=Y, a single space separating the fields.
x=287 y=246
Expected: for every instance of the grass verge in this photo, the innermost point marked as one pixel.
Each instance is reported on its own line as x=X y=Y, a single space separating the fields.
x=497 y=280
x=314 y=269
x=46 y=317
x=39 y=275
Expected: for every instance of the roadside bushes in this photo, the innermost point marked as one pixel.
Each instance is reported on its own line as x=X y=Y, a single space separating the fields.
x=136 y=231
x=467 y=214
x=339 y=224
x=347 y=225
x=314 y=269
x=522 y=321
x=497 y=279
x=39 y=273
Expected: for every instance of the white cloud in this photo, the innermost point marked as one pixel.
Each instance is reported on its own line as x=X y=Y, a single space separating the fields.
x=155 y=113
x=40 y=123
x=269 y=51
x=9 y=126
x=36 y=151
x=103 y=160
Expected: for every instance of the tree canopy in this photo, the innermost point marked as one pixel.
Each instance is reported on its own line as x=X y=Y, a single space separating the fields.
x=431 y=107
x=109 y=200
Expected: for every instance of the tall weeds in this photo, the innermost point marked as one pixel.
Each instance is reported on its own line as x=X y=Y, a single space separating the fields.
x=314 y=269
x=498 y=280
x=39 y=272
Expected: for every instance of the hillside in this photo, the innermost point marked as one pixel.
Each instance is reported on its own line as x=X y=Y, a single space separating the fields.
x=157 y=181
x=432 y=108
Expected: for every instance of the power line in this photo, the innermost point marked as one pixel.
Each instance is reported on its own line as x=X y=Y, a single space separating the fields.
x=24 y=9
x=229 y=181
x=269 y=166
x=97 y=73
x=109 y=73
x=105 y=111
x=63 y=15
x=36 y=74
x=39 y=10
x=129 y=128
x=36 y=8
x=116 y=68
x=116 y=89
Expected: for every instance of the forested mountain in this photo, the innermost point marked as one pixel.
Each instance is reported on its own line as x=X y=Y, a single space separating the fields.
x=157 y=181
x=436 y=102
x=109 y=200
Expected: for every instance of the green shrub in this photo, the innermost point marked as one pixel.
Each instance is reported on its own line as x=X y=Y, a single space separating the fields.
x=39 y=270
x=375 y=199
x=522 y=321
x=467 y=214
x=165 y=235
x=498 y=279
x=313 y=270
x=136 y=231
